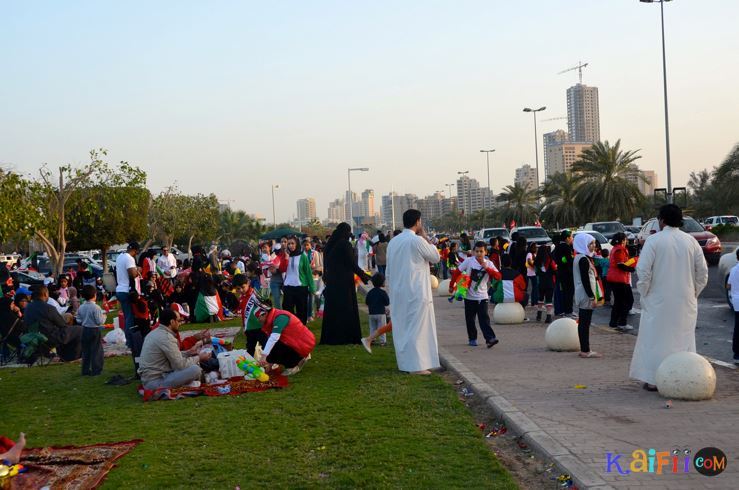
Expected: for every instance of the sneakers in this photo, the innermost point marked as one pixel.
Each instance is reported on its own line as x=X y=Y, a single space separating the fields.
x=472 y=343
x=572 y=315
x=451 y=299
x=491 y=342
x=538 y=316
x=624 y=328
x=548 y=319
x=367 y=345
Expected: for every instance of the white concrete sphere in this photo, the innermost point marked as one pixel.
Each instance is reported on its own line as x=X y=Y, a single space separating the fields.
x=443 y=289
x=686 y=376
x=508 y=313
x=435 y=282
x=561 y=335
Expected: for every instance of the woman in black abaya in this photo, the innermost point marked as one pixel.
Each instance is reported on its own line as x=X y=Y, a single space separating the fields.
x=340 y=311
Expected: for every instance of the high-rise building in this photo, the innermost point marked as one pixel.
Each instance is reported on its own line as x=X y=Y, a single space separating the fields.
x=431 y=206
x=471 y=197
x=393 y=206
x=583 y=116
x=526 y=177
x=550 y=139
x=367 y=204
x=646 y=188
x=562 y=156
x=306 y=209
x=353 y=202
x=336 y=211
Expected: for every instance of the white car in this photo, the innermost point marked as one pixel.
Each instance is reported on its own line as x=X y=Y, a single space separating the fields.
x=709 y=223
x=602 y=240
x=725 y=264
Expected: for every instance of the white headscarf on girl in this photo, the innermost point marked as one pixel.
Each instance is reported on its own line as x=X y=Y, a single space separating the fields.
x=582 y=241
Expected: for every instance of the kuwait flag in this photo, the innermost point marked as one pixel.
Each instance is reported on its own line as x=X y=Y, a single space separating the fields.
x=248 y=315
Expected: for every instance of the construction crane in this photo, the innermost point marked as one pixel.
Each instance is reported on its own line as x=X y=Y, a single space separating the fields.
x=579 y=67
x=555 y=119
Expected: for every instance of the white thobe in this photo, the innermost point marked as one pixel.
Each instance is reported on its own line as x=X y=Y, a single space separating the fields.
x=411 y=301
x=168 y=265
x=672 y=273
x=362 y=255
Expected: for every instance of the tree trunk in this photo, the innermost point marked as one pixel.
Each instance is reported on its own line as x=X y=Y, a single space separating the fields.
x=104 y=252
x=189 y=247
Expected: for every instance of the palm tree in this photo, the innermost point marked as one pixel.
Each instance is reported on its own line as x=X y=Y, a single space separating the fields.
x=602 y=175
x=237 y=225
x=519 y=203
x=560 y=207
x=726 y=178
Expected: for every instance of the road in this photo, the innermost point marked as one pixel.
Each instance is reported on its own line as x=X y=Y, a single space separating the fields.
x=715 y=326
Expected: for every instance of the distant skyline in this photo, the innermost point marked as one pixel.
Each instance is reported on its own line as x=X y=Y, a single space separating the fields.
x=231 y=97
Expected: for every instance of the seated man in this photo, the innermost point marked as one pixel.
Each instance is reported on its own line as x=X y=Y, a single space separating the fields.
x=161 y=364
x=290 y=342
x=65 y=337
x=511 y=288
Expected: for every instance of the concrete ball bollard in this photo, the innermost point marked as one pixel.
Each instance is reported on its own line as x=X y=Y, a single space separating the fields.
x=561 y=336
x=686 y=376
x=435 y=282
x=443 y=289
x=508 y=313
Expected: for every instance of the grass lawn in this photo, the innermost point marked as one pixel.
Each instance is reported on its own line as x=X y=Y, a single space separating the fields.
x=347 y=420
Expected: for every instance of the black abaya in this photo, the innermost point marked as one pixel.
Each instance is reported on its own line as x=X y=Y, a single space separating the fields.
x=340 y=310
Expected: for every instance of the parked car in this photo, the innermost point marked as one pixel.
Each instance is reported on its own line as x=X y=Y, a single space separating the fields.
x=604 y=242
x=633 y=229
x=70 y=264
x=26 y=278
x=485 y=234
x=9 y=259
x=725 y=264
x=179 y=254
x=709 y=242
x=709 y=223
x=533 y=234
x=610 y=228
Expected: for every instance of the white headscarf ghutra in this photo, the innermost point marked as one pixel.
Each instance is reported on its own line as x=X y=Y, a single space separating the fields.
x=582 y=242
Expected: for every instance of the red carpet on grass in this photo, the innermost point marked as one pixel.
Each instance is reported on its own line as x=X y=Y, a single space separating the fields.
x=70 y=467
x=233 y=387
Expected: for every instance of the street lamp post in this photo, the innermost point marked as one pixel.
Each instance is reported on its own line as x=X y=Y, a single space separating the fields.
x=349 y=196
x=536 y=143
x=487 y=158
x=274 y=219
x=664 y=86
x=469 y=197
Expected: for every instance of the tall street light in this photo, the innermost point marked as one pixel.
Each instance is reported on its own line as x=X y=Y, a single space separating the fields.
x=469 y=196
x=664 y=85
x=487 y=158
x=274 y=220
x=536 y=143
x=349 y=196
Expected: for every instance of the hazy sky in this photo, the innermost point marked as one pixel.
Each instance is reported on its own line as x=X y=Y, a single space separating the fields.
x=231 y=97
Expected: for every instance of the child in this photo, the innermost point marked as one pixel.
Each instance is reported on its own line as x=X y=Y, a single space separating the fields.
x=377 y=302
x=252 y=329
x=91 y=317
x=452 y=264
x=141 y=313
x=481 y=270
x=531 y=274
x=367 y=341
x=733 y=286
x=511 y=288
x=546 y=268
x=587 y=294
x=603 y=263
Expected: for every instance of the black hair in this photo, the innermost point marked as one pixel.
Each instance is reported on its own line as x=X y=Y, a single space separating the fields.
x=378 y=280
x=671 y=214
x=532 y=247
x=618 y=238
x=20 y=296
x=38 y=290
x=542 y=256
x=89 y=292
x=480 y=244
x=737 y=253
x=411 y=217
x=505 y=260
x=166 y=316
x=396 y=233
x=604 y=253
x=239 y=280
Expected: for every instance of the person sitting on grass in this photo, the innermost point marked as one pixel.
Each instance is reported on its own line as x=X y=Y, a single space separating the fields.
x=290 y=342
x=162 y=364
x=377 y=302
x=11 y=451
x=92 y=318
x=58 y=329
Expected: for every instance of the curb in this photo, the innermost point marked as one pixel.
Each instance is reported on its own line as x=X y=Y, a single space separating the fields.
x=518 y=422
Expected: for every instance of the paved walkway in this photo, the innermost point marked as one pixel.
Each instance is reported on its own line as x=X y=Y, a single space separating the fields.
x=534 y=390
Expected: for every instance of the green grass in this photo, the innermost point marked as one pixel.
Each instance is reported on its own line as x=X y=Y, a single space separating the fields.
x=347 y=420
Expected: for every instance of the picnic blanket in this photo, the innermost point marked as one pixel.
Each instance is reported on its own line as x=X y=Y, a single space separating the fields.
x=69 y=467
x=233 y=387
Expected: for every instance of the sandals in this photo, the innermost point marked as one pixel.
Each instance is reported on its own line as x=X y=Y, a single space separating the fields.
x=591 y=354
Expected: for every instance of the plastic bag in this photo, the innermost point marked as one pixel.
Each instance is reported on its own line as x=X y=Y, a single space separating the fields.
x=115 y=336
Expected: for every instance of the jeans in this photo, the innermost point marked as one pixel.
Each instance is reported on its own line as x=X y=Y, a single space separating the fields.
x=275 y=289
x=125 y=301
x=134 y=339
x=175 y=378
x=92 y=351
x=479 y=308
x=381 y=269
x=534 y=281
x=735 y=343
x=375 y=322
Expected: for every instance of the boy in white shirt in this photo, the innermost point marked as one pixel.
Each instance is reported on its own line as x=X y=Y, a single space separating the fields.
x=481 y=270
x=732 y=285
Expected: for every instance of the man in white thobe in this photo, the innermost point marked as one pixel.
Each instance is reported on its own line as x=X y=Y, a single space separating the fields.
x=411 y=301
x=672 y=273
x=167 y=263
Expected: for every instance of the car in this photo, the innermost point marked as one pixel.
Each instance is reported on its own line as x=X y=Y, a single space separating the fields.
x=178 y=254
x=9 y=259
x=605 y=244
x=709 y=223
x=70 y=264
x=26 y=278
x=633 y=229
x=533 y=234
x=710 y=244
x=485 y=234
x=610 y=228
x=725 y=264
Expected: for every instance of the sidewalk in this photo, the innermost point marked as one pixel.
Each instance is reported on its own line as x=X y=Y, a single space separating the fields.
x=533 y=389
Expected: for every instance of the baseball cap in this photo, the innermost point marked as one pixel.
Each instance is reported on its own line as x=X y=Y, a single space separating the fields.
x=179 y=309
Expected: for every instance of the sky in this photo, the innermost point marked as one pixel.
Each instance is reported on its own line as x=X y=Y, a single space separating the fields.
x=233 y=97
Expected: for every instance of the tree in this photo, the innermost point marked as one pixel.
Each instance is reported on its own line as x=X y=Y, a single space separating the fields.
x=518 y=203
x=604 y=191
x=560 y=208
x=238 y=226
x=18 y=219
x=183 y=217
x=726 y=179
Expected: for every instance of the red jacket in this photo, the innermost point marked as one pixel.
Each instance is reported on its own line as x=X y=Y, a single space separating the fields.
x=619 y=255
x=295 y=335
